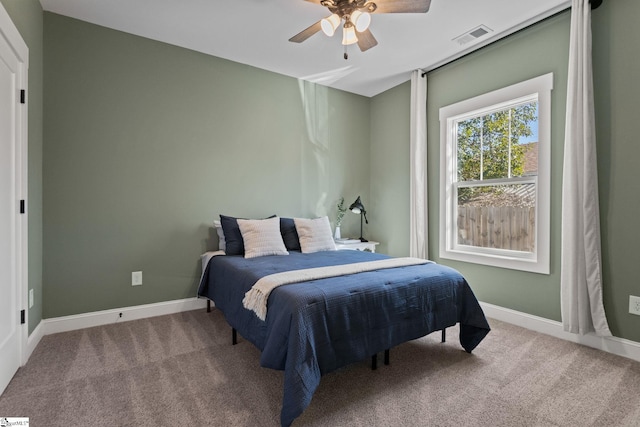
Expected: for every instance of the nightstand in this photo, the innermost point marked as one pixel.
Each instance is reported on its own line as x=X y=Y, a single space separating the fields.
x=369 y=246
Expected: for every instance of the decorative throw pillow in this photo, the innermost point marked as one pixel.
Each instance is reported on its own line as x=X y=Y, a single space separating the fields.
x=262 y=237
x=314 y=234
x=221 y=242
x=289 y=234
x=232 y=236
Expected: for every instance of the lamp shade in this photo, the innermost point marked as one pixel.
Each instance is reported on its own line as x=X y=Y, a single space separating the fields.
x=361 y=20
x=330 y=24
x=349 y=35
x=357 y=206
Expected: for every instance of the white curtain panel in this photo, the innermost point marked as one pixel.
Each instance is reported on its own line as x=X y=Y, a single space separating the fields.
x=418 y=169
x=581 y=275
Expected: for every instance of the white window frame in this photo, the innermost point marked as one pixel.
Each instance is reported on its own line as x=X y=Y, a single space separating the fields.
x=538 y=261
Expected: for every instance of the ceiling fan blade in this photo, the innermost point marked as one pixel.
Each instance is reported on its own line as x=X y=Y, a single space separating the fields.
x=314 y=1
x=306 y=33
x=366 y=40
x=402 y=6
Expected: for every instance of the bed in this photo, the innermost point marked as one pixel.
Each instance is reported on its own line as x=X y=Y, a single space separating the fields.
x=316 y=326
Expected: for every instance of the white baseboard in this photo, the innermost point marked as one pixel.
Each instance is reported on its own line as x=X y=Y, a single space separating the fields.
x=105 y=317
x=98 y=318
x=614 y=345
x=32 y=342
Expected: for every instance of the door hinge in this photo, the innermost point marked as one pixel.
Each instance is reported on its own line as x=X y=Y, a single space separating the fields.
x=23 y=96
x=22 y=209
x=22 y=317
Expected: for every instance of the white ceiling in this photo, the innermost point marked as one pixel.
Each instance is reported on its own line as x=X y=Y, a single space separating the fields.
x=256 y=32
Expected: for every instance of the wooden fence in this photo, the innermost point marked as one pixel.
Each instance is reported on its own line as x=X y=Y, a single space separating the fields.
x=497 y=227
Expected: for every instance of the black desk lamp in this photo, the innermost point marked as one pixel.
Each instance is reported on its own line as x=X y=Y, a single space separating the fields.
x=358 y=208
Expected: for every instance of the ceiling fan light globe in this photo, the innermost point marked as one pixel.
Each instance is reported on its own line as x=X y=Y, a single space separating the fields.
x=330 y=24
x=349 y=35
x=361 y=20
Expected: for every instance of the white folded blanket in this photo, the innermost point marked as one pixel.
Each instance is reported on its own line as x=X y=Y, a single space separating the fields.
x=256 y=298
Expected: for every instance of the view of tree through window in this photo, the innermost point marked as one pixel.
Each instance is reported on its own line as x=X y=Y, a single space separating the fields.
x=496 y=168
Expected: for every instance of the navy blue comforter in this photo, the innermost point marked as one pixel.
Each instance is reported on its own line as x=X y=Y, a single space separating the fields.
x=315 y=327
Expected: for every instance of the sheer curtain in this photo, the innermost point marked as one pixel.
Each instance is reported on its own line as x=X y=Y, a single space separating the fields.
x=418 y=169
x=581 y=276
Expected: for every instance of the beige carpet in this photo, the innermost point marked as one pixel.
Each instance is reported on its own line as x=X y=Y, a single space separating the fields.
x=181 y=370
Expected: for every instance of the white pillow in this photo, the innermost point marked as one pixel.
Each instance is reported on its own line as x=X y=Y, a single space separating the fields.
x=314 y=234
x=262 y=237
x=222 y=244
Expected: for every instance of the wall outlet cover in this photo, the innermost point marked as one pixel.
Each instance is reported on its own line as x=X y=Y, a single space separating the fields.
x=634 y=305
x=136 y=278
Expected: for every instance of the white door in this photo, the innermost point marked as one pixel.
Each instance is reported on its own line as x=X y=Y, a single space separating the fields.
x=10 y=223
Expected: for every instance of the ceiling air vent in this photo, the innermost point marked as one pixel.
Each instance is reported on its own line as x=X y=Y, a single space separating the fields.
x=472 y=35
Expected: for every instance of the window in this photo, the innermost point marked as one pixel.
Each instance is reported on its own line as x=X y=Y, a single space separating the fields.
x=495 y=175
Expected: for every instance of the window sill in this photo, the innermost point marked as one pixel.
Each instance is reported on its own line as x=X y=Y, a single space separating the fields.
x=501 y=261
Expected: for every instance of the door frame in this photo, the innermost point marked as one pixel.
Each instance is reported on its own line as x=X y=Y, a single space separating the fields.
x=10 y=33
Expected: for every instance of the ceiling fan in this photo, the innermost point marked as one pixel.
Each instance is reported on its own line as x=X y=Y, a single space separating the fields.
x=356 y=15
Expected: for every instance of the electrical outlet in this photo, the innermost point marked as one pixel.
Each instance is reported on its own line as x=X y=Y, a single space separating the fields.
x=136 y=278
x=30 y=298
x=634 y=305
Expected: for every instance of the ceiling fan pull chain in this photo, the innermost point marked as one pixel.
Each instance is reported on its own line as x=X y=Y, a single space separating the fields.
x=346 y=55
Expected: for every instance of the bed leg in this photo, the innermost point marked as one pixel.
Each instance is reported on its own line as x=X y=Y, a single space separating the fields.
x=234 y=336
x=374 y=362
x=444 y=334
x=386 y=357
x=208 y=306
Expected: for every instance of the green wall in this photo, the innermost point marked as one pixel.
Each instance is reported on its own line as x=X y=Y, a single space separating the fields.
x=389 y=210
x=147 y=143
x=27 y=17
x=535 y=51
x=616 y=36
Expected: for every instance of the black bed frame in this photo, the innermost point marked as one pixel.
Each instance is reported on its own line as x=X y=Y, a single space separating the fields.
x=374 y=358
